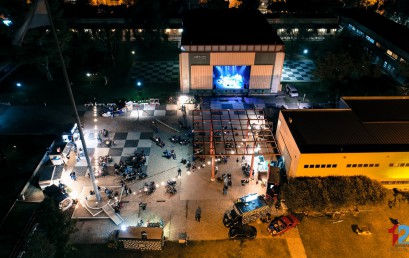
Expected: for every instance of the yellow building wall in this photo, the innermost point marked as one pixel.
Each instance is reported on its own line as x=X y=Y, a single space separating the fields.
x=384 y=166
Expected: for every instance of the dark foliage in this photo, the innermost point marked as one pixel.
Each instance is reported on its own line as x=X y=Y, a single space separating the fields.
x=334 y=192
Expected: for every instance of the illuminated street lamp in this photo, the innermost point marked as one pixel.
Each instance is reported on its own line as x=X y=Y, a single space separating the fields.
x=305 y=51
x=18 y=84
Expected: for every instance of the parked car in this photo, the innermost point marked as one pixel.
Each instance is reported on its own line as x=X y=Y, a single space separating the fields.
x=280 y=225
x=242 y=232
x=231 y=218
x=61 y=198
x=291 y=91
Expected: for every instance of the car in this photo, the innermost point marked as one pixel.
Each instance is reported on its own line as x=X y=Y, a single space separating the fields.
x=280 y=225
x=242 y=232
x=62 y=199
x=291 y=91
x=231 y=218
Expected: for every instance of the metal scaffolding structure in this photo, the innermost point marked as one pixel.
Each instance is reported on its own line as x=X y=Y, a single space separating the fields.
x=235 y=132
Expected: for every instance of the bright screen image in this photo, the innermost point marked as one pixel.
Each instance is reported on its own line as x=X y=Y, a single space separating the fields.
x=231 y=77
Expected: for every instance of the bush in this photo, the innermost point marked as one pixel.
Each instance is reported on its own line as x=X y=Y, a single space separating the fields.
x=334 y=192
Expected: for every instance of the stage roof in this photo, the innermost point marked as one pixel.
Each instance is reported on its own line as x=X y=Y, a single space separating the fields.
x=232 y=132
x=227 y=27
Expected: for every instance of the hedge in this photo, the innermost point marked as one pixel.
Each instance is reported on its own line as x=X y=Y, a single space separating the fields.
x=333 y=192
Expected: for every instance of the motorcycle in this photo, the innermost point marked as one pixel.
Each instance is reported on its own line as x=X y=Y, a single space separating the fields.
x=173 y=139
x=171 y=182
x=171 y=189
x=142 y=175
x=149 y=188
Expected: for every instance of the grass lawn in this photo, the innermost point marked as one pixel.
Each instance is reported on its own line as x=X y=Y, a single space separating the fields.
x=324 y=238
x=222 y=248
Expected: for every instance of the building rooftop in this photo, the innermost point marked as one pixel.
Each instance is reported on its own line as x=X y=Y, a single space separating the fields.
x=227 y=27
x=365 y=127
x=388 y=29
x=378 y=109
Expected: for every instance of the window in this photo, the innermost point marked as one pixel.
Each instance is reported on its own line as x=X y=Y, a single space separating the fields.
x=348 y=165
x=370 y=165
x=328 y=165
x=365 y=165
x=359 y=165
x=407 y=165
x=385 y=64
x=401 y=164
x=305 y=166
x=311 y=166
x=334 y=165
x=354 y=165
x=390 y=164
x=391 y=54
x=317 y=166
x=370 y=39
x=376 y=165
x=322 y=166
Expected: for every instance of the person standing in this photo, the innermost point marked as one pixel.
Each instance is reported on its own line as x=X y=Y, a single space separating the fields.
x=198 y=213
x=179 y=172
x=237 y=160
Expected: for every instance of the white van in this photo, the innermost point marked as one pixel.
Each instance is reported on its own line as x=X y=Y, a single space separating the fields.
x=291 y=91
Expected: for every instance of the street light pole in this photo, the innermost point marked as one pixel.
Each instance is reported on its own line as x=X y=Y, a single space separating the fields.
x=71 y=95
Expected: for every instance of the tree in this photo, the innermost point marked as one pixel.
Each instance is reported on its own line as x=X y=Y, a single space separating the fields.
x=249 y=4
x=58 y=226
x=38 y=47
x=39 y=247
x=152 y=17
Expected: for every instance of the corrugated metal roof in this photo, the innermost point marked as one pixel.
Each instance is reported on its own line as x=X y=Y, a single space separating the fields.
x=389 y=133
x=342 y=130
x=377 y=109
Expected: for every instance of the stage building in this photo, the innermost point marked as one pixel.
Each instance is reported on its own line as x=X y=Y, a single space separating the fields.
x=229 y=52
x=368 y=136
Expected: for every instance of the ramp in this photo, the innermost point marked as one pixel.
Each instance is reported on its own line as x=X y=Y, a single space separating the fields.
x=111 y=213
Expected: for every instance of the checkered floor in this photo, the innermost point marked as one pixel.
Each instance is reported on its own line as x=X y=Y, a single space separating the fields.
x=126 y=143
x=298 y=71
x=165 y=71
x=168 y=71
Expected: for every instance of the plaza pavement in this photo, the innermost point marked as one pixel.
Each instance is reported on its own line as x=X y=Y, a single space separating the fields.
x=176 y=211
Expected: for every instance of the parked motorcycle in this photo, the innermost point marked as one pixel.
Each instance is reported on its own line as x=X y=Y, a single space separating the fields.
x=149 y=188
x=171 y=189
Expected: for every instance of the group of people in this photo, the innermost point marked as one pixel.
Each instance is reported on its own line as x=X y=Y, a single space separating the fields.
x=169 y=154
x=131 y=169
